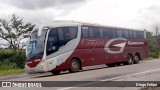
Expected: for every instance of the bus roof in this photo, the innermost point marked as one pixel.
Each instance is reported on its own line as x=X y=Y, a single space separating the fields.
x=59 y=23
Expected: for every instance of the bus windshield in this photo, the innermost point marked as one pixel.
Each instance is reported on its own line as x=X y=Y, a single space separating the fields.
x=36 y=45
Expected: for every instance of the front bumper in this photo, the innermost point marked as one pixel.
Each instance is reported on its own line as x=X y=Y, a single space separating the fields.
x=41 y=67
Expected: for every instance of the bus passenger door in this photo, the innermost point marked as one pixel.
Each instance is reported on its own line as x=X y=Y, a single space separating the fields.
x=52 y=46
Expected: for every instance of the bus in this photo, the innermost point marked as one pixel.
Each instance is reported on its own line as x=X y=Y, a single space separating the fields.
x=71 y=45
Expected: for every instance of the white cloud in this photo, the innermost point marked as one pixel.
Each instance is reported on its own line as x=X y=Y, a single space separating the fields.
x=40 y=4
x=123 y=13
x=6 y=9
x=38 y=11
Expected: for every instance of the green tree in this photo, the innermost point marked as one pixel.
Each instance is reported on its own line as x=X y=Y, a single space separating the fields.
x=149 y=37
x=156 y=30
x=12 y=30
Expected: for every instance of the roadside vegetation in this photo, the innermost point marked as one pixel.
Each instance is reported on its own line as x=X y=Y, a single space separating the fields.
x=13 y=30
x=153 y=38
x=11 y=62
x=6 y=70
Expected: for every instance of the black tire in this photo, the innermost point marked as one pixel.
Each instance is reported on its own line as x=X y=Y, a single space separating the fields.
x=136 y=59
x=74 y=66
x=56 y=72
x=129 y=59
x=111 y=65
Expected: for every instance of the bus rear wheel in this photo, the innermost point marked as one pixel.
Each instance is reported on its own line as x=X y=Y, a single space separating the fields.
x=136 y=59
x=56 y=72
x=129 y=59
x=74 y=66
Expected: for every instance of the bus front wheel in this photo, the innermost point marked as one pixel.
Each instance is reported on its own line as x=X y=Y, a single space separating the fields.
x=74 y=66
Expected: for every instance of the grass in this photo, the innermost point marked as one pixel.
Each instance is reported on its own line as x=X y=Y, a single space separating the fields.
x=11 y=71
x=6 y=70
x=151 y=58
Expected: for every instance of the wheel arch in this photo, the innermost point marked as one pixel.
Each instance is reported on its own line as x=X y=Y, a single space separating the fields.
x=130 y=54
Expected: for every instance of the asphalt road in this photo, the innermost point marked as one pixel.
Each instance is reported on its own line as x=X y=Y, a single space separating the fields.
x=95 y=73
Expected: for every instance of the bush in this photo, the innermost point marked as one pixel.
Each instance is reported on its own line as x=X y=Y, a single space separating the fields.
x=18 y=60
x=10 y=59
x=7 y=67
x=154 y=55
x=4 y=54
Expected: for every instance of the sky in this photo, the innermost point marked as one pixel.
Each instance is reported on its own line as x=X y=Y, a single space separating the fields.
x=137 y=14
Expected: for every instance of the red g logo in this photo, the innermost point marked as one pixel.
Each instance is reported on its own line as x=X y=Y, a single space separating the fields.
x=120 y=45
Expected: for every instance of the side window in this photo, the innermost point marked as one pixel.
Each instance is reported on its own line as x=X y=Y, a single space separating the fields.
x=52 y=42
x=73 y=32
x=94 y=32
x=119 y=33
x=140 y=34
x=67 y=33
x=60 y=34
x=52 y=37
x=130 y=34
x=125 y=34
x=134 y=34
x=101 y=32
x=90 y=32
x=85 y=32
x=107 y=32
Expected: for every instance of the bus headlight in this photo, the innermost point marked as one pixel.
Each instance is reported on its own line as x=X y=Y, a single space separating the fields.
x=42 y=63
